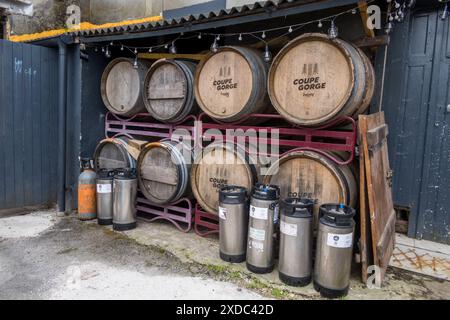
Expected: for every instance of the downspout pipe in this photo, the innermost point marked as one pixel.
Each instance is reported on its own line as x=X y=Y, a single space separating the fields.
x=62 y=85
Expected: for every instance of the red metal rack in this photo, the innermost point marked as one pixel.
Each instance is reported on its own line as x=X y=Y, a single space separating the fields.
x=179 y=213
x=338 y=135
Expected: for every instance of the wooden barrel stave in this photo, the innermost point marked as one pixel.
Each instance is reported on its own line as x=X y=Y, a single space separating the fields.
x=163 y=173
x=242 y=76
x=121 y=86
x=168 y=90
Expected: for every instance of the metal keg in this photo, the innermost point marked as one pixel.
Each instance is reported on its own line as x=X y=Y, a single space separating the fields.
x=233 y=223
x=334 y=250
x=296 y=238
x=125 y=192
x=264 y=208
x=105 y=198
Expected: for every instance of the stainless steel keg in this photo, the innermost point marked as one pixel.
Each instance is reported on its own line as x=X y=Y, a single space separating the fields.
x=264 y=208
x=125 y=192
x=296 y=238
x=233 y=223
x=105 y=198
x=334 y=250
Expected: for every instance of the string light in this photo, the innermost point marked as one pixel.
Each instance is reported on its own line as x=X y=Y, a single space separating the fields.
x=398 y=13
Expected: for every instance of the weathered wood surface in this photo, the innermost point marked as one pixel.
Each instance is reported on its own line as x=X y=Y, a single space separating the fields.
x=162 y=172
x=373 y=133
x=314 y=79
x=219 y=166
x=308 y=174
x=232 y=83
x=113 y=153
x=168 y=90
x=121 y=86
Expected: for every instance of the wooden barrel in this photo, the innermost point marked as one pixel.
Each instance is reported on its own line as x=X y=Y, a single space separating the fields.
x=232 y=83
x=112 y=153
x=121 y=86
x=168 y=90
x=315 y=79
x=163 y=172
x=219 y=165
x=309 y=174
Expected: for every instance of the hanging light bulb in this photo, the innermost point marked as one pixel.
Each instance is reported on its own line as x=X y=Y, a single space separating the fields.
x=111 y=43
x=389 y=27
x=214 y=46
x=135 y=63
x=290 y=29
x=411 y=3
x=353 y=11
x=444 y=14
x=263 y=35
x=320 y=25
x=135 y=50
x=121 y=48
x=333 y=32
x=240 y=37
x=150 y=49
x=396 y=5
x=218 y=37
x=166 y=46
x=172 y=48
x=107 y=53
x=199 y=36
x=267 y=54
x=103 y=49
x=95 y=49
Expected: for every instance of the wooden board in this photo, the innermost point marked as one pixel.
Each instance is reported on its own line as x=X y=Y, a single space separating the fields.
x=308 y=174
x=365 y=241
x=373 y=132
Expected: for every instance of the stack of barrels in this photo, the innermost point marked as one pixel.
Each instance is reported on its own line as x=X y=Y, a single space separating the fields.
x=311 y=81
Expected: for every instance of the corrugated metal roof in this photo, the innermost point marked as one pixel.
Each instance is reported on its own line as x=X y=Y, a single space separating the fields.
x=194 y=18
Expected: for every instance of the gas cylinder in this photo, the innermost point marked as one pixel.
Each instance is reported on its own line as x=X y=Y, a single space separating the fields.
x=105 y=198
x=262 y=224
x=233 y=223
x=87 y=204
x=334 y=250
x=296 y=238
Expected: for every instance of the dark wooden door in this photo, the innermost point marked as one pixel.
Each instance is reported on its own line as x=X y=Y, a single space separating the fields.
x=28 y=127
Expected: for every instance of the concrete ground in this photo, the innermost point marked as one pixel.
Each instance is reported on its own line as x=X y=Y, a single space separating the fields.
x=46 y=257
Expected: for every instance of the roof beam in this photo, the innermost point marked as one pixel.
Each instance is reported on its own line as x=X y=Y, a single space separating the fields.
x=234 y=19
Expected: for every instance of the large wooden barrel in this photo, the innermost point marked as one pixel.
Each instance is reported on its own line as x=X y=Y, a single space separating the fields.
x=169 y=90
x=309 y=174
x=121 y=86
x=315 y=79
x=163 y=172
x=112 y=153
x=232 y=83
x=221 y=164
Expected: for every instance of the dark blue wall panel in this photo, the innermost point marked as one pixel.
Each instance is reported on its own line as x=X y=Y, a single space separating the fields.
x=27 y=125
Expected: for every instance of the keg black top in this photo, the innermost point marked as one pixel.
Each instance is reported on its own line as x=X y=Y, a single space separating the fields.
x=232 y=195
x=266 y=192
x=125 y=174
x=106 y=174
x=337 y=214
x=297 y=207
